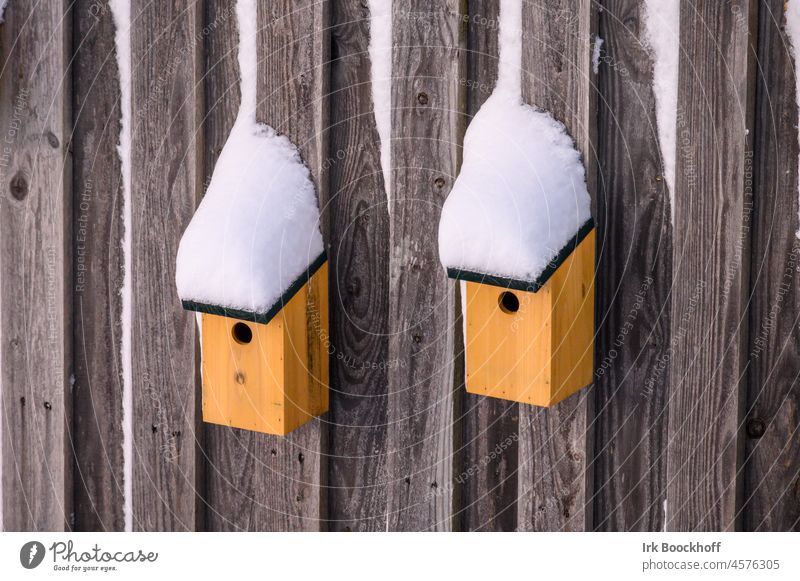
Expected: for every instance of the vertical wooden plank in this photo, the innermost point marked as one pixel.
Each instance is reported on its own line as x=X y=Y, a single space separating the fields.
x=772 y=421
x=359 y=257
x=557 y=77
x=35 y=267
x=99 y=497
x=633 y=281
x=426 y=132
x=165 y=180
x=711 y=242
x=488 y=474
x=278 y=483
x=238 y=461
x=221 y=91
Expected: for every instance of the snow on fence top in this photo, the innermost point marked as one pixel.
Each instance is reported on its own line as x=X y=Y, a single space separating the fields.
x=520 y=200
x=255 y=238
x=662 y=27
x=793 y=32
x=380 y=55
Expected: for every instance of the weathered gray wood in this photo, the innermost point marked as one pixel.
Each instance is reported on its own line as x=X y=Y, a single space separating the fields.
x=237 y=461
x=98 y=265
x=35 y=256
x=488 y=473
x=772 y=421
x=279 y=482
x=359 y=260
x=427 y=97
x=221 y=91
x=249 y=475
x=711 y=242
x=166 y=178
x=634 y=275
x=556 y=76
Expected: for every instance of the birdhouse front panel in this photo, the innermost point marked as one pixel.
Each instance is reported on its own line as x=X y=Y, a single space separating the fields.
x=271 y=377
x=533 y=347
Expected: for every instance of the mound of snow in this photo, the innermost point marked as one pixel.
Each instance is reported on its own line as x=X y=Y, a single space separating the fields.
x=521 y=195
x=256 y=231
x=257 y=228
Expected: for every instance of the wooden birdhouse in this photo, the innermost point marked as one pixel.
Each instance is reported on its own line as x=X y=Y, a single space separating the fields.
x=517 y=229
x=252 y=261
x=268 y=374
x=532 y=342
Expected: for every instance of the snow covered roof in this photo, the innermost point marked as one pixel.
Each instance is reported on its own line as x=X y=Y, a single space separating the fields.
x=255 y=239
x=520 y=204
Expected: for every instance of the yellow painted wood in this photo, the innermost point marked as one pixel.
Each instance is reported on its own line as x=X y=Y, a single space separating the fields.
x=542 y=353
x=279 y=380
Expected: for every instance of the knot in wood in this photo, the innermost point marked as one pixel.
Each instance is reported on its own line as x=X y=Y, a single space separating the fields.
x=756 y=428
x=18 y=186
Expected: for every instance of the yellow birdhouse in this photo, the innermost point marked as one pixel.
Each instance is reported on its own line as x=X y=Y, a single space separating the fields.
x=252 y=261
x=532 y=343
x=517 y=229
x=271 y=376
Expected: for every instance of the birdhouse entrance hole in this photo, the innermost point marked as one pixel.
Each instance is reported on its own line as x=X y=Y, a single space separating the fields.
x=509 y=303
x=242 y=334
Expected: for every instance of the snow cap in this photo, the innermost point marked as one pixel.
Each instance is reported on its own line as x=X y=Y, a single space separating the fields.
x=520 y=205
x=255 y=239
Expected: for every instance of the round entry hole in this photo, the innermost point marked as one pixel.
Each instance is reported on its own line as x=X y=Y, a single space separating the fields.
x=509 y=303
x=242 y=333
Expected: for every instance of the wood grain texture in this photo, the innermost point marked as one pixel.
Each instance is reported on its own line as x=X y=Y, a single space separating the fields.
x=557 y=76
x=98 y=266
x=488 y=473
x=426 y=135
x=165 y=183
x=238 y=462
x=634 y=276
x=359 y=257
x=772 y=420
x=256 y=481
x=277 y=483
x=220 y=70
x=713 y=202
x=35 y=265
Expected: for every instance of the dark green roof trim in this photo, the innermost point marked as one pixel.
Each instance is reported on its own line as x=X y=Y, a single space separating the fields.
x=523 y=285
x=267 y=316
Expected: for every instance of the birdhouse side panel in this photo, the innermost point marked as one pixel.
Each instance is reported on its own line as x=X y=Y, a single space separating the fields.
x=319 y=341
x=305 y=349
x=572 y=288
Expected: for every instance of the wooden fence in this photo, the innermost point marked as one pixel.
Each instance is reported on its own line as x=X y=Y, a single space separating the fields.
x=692 y=422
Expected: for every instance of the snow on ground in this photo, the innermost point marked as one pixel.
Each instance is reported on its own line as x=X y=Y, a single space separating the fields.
x=662 y=28
x=121 y=13
x=3 y=5
x=380 y=55
x=521 y=195
x=793 y=32
x=257 y=229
